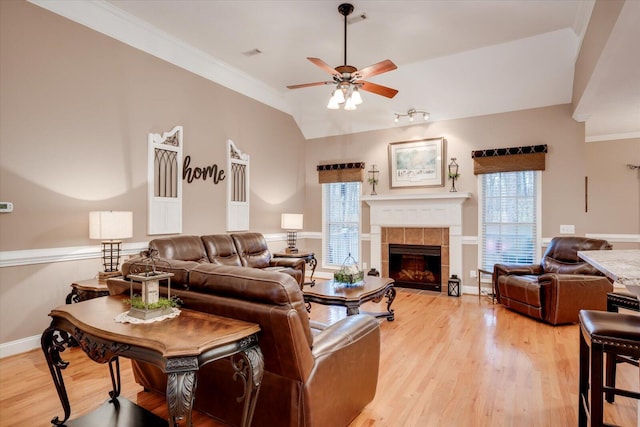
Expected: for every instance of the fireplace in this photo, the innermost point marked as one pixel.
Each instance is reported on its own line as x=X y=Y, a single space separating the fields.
x=415 y=266
x=418 y=219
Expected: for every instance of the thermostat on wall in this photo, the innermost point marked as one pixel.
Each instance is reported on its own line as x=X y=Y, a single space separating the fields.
x=6 y=207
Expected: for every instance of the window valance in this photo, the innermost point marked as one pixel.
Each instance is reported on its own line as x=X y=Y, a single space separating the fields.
x=340 y=172
x=511 y=159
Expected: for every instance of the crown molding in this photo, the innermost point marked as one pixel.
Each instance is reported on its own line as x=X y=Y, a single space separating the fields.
x=111 y=21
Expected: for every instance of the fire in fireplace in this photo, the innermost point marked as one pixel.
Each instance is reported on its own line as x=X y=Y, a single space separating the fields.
x=415 y=266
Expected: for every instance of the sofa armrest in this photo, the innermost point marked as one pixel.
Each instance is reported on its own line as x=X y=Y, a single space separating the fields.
x=118 y=285
x=567 y=294
x=343 y=333
x=517 y=269
x=513 y=270
x=295 y=263
x=346 y=364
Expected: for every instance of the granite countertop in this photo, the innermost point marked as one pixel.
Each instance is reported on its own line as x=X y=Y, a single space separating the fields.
x=622 y=266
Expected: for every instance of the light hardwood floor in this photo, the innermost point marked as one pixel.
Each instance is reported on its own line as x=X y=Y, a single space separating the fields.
x=445 y=362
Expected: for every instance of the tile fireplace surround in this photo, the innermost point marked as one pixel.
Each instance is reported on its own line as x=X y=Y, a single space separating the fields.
x=423 y=219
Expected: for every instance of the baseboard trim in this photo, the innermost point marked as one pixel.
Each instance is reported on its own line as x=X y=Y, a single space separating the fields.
x=22 y=345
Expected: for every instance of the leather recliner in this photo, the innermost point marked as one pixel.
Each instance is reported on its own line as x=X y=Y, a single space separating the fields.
x=559 y=287
x=310 y=380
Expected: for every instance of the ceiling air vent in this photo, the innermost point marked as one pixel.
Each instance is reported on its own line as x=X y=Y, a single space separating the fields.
x=252 y=52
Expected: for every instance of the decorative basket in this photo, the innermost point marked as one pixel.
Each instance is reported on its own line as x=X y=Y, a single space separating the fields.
x=349 y=272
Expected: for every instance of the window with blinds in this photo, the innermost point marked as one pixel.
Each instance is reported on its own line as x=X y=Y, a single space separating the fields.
x=510 y=215
x=341 y=222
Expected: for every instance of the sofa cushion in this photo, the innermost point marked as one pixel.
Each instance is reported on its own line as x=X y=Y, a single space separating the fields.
x=253 y=249
x=185 y=248
x=221 y=249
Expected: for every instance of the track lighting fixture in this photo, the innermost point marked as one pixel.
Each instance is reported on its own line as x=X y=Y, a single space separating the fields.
x=412 y=113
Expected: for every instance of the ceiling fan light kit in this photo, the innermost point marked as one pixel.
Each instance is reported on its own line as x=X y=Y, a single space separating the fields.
x=348 y=79
x=411 y=114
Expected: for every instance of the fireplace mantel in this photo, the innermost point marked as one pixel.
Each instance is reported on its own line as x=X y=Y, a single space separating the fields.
x=451 y=196
x=418 y=210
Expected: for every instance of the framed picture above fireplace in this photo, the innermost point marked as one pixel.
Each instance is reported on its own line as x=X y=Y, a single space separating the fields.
x=417 y=163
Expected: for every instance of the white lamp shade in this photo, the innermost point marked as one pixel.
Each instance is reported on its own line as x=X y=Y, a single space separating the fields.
x=110 y=225
x=291 y=221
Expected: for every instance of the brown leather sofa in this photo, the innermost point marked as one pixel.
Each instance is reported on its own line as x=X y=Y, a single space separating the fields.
x=559 y=287
x=180 y=254
x=313 y=380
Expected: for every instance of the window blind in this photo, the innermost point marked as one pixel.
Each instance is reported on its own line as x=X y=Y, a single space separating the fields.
x=509 y=219
x=341 y=222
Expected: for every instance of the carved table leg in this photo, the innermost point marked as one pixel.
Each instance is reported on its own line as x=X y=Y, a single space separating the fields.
x=72 y=298
x=249 y=366
x=353 y=309
x=53 y=343
x=391 y=295
x=115 y=378
x=181 y=388
x=313 y=262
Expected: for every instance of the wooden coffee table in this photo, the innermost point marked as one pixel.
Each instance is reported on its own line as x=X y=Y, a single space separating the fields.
x=372 y=288
x=179 y=346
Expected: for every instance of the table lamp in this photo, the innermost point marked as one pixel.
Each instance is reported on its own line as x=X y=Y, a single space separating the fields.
x=291 y=223
x=110 y=227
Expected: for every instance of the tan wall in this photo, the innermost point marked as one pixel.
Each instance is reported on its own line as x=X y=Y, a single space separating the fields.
x=614 y=189
x=569 y=160
x=75 y=111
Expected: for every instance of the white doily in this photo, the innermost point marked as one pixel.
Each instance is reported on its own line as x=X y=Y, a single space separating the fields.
x=125 y=318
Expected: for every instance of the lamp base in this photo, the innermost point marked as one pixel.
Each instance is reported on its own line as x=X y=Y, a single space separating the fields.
x=291 y=250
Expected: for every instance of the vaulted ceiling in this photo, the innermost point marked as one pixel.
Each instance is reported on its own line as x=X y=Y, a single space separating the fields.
x=455 y=58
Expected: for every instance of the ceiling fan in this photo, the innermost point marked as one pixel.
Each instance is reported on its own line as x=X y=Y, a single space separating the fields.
x=348 y=79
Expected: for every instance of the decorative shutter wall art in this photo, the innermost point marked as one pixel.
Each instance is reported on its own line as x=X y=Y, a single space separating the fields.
x=237 y=189
x=164 y=182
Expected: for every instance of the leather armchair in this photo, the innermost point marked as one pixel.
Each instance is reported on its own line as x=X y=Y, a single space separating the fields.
x=559 y=287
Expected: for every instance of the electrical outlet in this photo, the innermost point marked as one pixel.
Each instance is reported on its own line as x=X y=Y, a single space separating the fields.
x=567 y=229
x=364 y=266
x=473 y=274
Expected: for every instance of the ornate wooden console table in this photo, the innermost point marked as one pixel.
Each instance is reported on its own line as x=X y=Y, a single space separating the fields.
x=178 y=346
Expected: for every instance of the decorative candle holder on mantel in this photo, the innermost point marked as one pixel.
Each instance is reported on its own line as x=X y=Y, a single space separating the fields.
x=453 y=174
x=149 y=304
x=373 y=179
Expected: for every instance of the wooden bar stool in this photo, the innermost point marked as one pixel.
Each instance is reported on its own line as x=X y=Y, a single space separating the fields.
x=603 y=332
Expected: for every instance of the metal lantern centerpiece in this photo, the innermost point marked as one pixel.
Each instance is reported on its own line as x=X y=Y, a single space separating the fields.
x=349 y=274
x=149 y=304
x=453 y=286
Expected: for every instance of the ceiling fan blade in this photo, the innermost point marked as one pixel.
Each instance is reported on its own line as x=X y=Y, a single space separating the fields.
x=309 y=85
x=378 y=89
x=375 y=69
x=320 y=63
